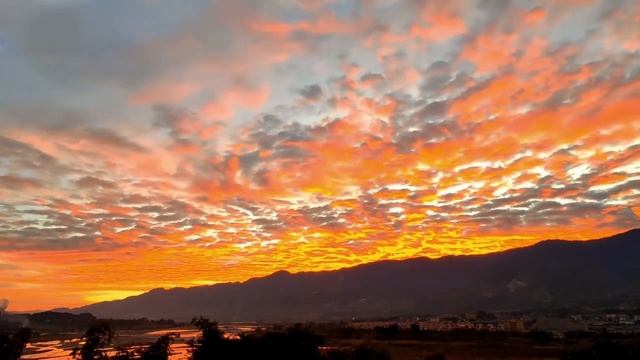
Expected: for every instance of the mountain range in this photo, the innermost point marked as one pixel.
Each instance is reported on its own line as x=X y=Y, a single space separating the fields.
x=549 y=274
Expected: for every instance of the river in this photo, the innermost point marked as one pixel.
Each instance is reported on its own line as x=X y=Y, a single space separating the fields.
x=61 y=349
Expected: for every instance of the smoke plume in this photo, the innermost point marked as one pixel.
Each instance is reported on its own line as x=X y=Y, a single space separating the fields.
x=4 y=303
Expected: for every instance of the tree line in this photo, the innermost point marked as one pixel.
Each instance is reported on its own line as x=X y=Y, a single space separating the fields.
x=296 y=342
x=293 y=343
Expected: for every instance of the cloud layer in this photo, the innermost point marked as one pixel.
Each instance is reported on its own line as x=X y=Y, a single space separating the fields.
x=171 y=144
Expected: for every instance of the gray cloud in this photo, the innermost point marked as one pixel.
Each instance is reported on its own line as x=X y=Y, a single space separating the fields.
x=90 y=182
x=311 y=92
x=13 y=182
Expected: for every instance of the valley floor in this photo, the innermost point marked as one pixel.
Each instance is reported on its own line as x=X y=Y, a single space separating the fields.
x=399 y=347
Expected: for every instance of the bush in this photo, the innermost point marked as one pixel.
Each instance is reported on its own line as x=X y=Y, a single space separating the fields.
x=292 y=343
x=11 y=348
x=160 y=350
x=96 y=338
x=541 y=337
x=604 y=350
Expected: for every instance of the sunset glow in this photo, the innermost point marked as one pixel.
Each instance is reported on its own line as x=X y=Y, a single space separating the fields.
x=156 y=144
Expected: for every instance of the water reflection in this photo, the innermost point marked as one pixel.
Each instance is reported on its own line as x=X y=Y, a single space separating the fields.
x=61 y=349
x=57 y=349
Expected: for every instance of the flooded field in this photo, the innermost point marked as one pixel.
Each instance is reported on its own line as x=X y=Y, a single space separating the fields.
x=61 y=349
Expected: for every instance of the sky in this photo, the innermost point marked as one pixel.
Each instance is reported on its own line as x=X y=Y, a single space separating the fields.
x=158 y=143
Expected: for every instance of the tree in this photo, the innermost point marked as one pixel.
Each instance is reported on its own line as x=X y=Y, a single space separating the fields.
x=160 y=350
x=604 y=350
x=11 y=348
x=541 y=337
x=96 y=338
x=209 y=344
x=293 y=343
x=297 y=342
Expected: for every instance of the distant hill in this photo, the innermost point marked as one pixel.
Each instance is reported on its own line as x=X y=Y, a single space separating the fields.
x=47 y=320
x=550 y=274
x=57 y=321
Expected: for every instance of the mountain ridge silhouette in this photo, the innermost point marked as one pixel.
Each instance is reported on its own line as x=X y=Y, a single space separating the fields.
x=548 y=274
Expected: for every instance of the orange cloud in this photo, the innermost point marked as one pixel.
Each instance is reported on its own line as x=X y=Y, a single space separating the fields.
x=535 y=16
x=226 y=174
x=226 y=104
x=490 y=52
x=440 y=27
x=165 y=93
